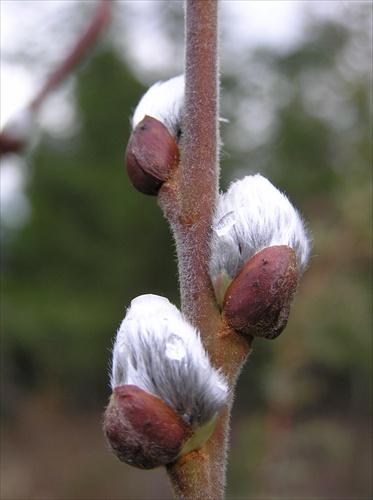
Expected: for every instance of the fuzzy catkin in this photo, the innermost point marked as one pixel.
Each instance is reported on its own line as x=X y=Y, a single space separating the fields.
x=250 y=216
x=165 y=102
x=157 y=350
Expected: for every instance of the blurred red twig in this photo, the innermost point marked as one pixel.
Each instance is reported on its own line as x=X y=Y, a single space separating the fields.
x=9 y=141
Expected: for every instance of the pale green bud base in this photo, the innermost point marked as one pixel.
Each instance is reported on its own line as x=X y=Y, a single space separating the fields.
x=200 y=437
x=221 y=283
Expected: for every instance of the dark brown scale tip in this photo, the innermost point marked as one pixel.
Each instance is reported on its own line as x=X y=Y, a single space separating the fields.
x=257 y=302
x=152 y=154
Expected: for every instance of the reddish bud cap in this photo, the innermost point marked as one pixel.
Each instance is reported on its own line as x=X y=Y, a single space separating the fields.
x=142 y=430
x=151 y=156
x=257 y=301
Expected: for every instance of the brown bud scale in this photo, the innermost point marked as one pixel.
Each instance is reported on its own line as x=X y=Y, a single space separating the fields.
x=152 y=154
x=257 y=301
x=142 y=430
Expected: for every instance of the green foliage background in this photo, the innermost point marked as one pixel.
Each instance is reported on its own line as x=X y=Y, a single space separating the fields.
x=301 y=424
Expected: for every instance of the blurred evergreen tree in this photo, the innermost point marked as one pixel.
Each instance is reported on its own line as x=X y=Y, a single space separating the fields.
x=91 y=244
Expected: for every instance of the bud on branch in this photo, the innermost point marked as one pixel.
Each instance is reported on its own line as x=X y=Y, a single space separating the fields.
x=163 y=383
x=259 y=250
x=152 y=152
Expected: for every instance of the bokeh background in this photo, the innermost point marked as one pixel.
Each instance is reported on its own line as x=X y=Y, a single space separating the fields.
x=78 y=243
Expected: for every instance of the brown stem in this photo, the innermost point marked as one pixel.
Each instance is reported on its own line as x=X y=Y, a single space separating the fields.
x=189 y=198
x=191 y=477
x=188 y=201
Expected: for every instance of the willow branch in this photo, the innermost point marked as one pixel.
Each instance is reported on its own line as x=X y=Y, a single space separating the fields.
x=189 y=201
x=189 y=198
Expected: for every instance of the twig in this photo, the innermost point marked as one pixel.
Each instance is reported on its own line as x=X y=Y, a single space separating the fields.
x=15 y=136
x=97 y=24
x=188 y=200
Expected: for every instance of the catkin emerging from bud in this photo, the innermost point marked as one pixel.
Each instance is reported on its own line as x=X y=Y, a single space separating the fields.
x=259 y=249
x=152 y=152
x=166 y=395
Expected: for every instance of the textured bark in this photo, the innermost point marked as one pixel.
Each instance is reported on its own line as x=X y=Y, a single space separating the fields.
x=188 y=200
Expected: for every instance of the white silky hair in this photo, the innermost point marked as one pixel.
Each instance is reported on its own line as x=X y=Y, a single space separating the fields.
x=157 y=350
x=250 y=216
x=163 y=101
